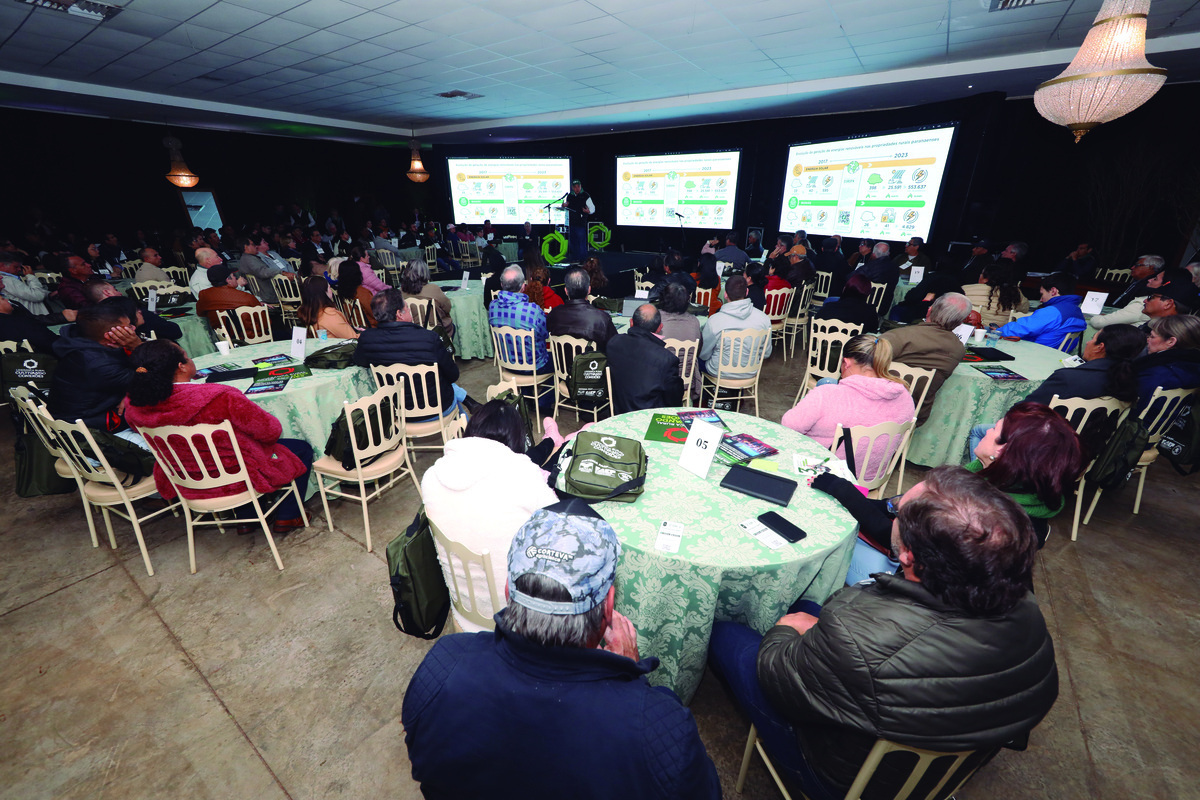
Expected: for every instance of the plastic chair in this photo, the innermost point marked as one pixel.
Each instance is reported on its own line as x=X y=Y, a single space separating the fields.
x=1115 y=274
x=705 y=297
x=462 y=593
x=130 y=268
x=563 y=350
x=777 y=307
x=422 y=311
x=470 y=255
x=734 y=347
x=825 y=343
x=1157 y=416
x=295 y=262
x=385 y=257
x=1087 y=414
x=516 y=361
x=141 y=291
x=891 y=437
x=1070 y=342
x=101 y=485
x=796 y=323
x=951 y=781
x=1014 y=314
x=178 y=274
x=382 y=459
x=245 y=324
x=821 y=292
x=420 y=388
x=877 y=298
x=11 y=346
x=918 y=381
x=431 y=254
x=643 y=286
x=688 y=353
x=355 y=314
x=181 y=449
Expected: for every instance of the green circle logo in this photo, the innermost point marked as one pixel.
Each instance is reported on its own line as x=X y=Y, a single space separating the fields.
x=672 y=175
x=793 y=202
x=462 y=201
x=508 y=177
x=625 y=202
x=852 y=167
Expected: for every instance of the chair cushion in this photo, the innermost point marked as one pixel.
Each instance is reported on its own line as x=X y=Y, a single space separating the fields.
x=105 y=494
x=384 y=465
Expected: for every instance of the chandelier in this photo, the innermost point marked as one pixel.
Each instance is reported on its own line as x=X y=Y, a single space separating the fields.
x=1109 y=76
x=179 y=175
x=416 y=170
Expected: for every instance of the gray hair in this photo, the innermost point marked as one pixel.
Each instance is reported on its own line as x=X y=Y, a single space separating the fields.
x=949 y=310
x=881 y=249
x=577 y=283
x=415 y=276
x=1194 y=268
x=647 y=317
x=1020 y=248
x=512 y=278
x=552 y=630
x=1157 y=262
x=386 y=304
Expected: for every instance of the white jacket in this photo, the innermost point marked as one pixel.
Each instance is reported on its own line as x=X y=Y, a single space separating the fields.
x=734 y=315
x=478 y=494
x=1131 y=314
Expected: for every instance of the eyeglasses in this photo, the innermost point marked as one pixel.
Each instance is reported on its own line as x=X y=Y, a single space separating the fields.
x=1156 y=297
x=893 y=504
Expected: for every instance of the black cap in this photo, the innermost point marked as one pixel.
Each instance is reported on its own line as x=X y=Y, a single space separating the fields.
x=1180 y=291
x=219 y=274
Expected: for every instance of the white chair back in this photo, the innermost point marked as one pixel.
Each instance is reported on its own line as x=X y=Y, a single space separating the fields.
x=462 y=594
x=918 y=380
x=1115 y=274
x=10 y=346
x=355 y=314
x=1070 y=342
x=825 y=344
x=823 y=283
x=286 y=289
x=141 y=291
x=250 y=324
x=420 y=399
x=687 y=351
x=885 y=444
x=385 y=257
x=877 y=299
x=422 y=311
x=178 y=274
x=704 y=297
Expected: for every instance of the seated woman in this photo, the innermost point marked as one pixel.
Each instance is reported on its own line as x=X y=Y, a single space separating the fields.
x=481 y=490
x=596 y=277
x=679 y=323
x=351 y=290
x=317 y=310
x=868 y=393
x=1108 y=372
x=997 y=294
x=160 y=394
x=852 y=306
x=707 y=278
x=414 y=282
x=537 y=289
x=1173 y=356
x=358 y=255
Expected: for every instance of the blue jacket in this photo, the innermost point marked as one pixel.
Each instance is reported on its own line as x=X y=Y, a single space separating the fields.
x=1177 y=368
x=494 y=715
x=1057 y=317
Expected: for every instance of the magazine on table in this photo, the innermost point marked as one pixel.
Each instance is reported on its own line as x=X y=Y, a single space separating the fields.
x=741 y=448
x=666 y=428
x=706 y=414
x=998 y=373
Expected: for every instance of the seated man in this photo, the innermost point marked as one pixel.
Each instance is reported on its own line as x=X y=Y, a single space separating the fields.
x=151 y=268
x=93 y=371
x=578 y=317
x=76 y=273
x=932 y=343
x=1140 y=275
x=251 y=264
x=561 y=675
x=1175 y=296
x=491 y=258
x=953 y=654
x=144 y=321
x=17 y=325
x=225 y=294
x=205 y=257
x=645 y=374
x=1055 y=318
x=396 y=339
x=731 y=253
x=20 y=285
x=512 y=308
x=736 y=314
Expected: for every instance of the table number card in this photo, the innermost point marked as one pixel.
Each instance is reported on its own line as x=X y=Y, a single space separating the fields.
x=641 y=294
x=1093 y=302
x=700 y=448
x=465 y=279
x=298 y=337
x=917 y=275
x=963 y=332
x=152 y=301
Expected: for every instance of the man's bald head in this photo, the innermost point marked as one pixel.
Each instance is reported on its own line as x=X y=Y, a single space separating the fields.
x=207 y=257
x=647 y=317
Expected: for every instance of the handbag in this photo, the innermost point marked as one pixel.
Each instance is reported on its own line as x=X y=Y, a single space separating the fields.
x=336 y=356
x=596 y=467
x=421 y=599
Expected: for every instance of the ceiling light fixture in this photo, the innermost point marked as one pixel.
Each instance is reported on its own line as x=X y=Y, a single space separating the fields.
x=179 y=174
x=88 y=9
x=416 y=170
x=1109 y=76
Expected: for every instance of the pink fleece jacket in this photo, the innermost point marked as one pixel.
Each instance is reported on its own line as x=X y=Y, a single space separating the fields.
x=855 y=400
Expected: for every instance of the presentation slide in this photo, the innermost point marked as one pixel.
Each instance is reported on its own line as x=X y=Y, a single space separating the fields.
x=697 y=189
x=879 y=187
x=508 y=191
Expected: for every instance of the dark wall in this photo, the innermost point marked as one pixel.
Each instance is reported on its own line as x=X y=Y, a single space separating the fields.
x=1131 y=186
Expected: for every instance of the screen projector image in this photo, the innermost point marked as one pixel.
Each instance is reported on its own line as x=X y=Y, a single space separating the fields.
x=881 y=187
x=508 y=191
x=696 y=189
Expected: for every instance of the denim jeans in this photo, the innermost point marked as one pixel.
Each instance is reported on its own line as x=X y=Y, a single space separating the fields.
x=976 y=436
x=289 y=508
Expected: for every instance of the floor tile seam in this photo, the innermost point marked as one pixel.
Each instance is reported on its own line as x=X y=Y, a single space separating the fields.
x=375 y=552
x=61 y=588
x=204 y=678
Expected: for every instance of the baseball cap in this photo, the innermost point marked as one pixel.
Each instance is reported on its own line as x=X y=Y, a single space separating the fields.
x=570 y=543
x=218 y=274
x=1178 y=291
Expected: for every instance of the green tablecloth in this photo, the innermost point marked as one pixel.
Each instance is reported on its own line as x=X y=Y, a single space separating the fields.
x=719 y=573
x=903 y=287
x=197 y=338
x=472 y=333
x=308 y=406
x=508 y=250
x=968 y=397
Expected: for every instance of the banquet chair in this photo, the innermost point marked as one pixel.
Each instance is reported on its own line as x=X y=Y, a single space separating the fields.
x=178 y=274
x=422 y=311
x=796 y=323
x=563 y=349
x=470 y=255
x=355 y=314
x=130 y=268
x=245 y=324
x=462 y=595
x=288 y=293
x=47 y=279
x=34 y=412
x=101 y=485
x=723 y=269
x=733 y=348
x=643 y=286
x=1114 y=274
x=778 y=305
x=688 y=353
x=826 y=339
x=421 y=389
x=952 y=778
x=171 y=288
x=255 y=287
x=1087 y=416
x=380 y=458
x=180 y=259
x=890 y=437
x=877 y=297
x=1157 y=416
x=918 y=381
x=385 y=258
x=516 y=361
x=431 y=254
x=497 y=389
x=295 y=262
x=180 y=449
x=382 y=274
x=705 y=297
x=1014 y=314
x=821 y=292
x=11 y=346
x=141 y=291
x=1070 y=342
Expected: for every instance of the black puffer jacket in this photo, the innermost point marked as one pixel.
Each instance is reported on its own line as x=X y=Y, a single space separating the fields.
x=406 y=343
x=891 y=660
x=90 y=380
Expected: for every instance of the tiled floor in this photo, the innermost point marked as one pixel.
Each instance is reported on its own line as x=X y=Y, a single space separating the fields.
x=246 y=682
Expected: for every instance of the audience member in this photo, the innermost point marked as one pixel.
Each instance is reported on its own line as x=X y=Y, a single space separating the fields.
x=932 y=344
x=939 y=280
x=596 y=277
x=275 y=261
x=862 y=255
x=1057 y=317
x=1173 y=297
x=645 y=374
x=17 y=324
x=731 y=253
x=512 y=309
x=161 y=393
x=821 y=689
x=1079 y=262
x=147 y=324
x=151 y=267
x=852 y=306
x=1145 y=268
x=830 y=260
x=314 y=249
x=351 y=291
x=1107 y=371
x=756 y=285
x=224 y=294
x=93 y=369
x=737 y=314
x=537 y=289
x=881 y=269
x=578 y=317
x=480 y=491
x=997 y=294
x=980 y=259
x=561 y=663
x=914 y=255
x=1172 y=358
x=754 y=249
x=264 y=272
x=1133 y=312
x=70 y=287
x=318 y=312
x=679 y=323
x=205 y=257
x=21 y=285
x=414 y=282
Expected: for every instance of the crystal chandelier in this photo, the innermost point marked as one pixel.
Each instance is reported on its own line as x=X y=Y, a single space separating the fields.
x=1109 y=76
x=416 y=170
x=179 y=175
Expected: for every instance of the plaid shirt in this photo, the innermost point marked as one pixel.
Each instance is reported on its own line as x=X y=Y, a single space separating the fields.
x=514 y=309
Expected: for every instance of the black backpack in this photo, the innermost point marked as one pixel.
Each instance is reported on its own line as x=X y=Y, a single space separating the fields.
x=1181 y=443
x=1120 y=454
x=586 y=379
x=422 y=601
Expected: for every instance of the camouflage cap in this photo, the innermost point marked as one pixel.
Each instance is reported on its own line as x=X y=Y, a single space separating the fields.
x=578 y=550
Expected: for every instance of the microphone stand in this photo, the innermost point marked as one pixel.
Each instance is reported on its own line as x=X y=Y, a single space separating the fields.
x=682 y=234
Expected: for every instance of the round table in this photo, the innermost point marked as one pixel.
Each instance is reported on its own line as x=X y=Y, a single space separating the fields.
x=968 y=398
x=472 y=333
x=720 y=572
x=307 y=407
x=197 y=335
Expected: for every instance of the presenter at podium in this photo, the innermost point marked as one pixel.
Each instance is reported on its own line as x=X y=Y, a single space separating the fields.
x=579 y=206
